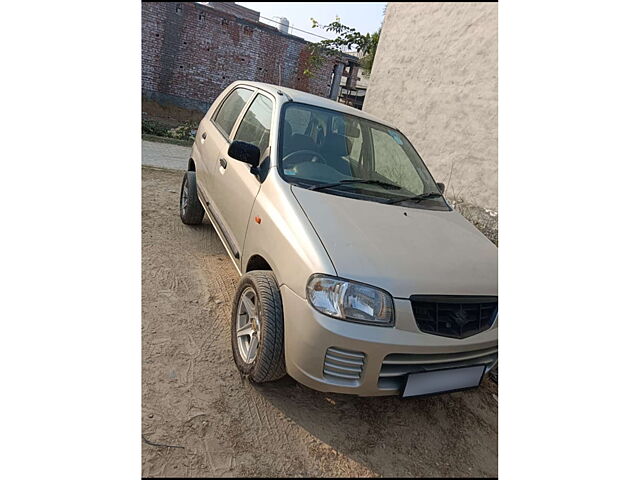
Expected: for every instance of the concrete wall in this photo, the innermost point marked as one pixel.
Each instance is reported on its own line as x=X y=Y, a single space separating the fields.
x=191 y=52
x=436 y=77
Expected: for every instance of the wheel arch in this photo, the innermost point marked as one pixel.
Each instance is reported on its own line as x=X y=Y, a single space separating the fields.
x=257 y=262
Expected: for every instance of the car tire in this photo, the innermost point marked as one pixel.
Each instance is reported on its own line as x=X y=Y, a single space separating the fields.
x=267 y=362
x=191 y=211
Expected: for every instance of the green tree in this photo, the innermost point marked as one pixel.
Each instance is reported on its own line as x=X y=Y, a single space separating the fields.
x=367 y=60
x=347 y=38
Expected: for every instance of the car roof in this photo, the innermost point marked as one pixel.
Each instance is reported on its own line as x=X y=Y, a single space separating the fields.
x=315 y=100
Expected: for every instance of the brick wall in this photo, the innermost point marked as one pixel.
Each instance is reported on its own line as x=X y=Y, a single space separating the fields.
x=237 y=10
x=191 y=52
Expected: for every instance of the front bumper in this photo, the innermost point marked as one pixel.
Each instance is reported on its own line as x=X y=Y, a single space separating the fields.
x=333 y=355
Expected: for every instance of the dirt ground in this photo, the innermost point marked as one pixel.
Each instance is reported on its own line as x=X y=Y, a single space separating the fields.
x=194 y=398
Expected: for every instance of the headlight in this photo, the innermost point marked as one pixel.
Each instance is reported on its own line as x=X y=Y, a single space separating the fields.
x=350 y=301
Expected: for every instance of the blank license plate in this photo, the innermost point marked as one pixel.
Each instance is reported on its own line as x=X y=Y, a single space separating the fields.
x=441 y=381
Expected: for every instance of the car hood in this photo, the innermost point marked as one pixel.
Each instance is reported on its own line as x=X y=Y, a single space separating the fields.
x=405 y=251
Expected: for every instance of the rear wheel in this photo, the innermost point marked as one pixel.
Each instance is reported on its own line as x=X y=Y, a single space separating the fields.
x=257 y=327
x=191 y=211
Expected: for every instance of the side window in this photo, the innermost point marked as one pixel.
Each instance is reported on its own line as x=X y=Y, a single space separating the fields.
x=228 y=112
x=392 y=162
x=255 y=127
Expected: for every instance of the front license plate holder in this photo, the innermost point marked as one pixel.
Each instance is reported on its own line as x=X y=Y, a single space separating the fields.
x=442 y=381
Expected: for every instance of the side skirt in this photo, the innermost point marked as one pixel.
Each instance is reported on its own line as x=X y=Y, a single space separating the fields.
x=229 y=245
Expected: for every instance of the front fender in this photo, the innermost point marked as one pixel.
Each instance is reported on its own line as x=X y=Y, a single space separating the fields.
x=284 y=237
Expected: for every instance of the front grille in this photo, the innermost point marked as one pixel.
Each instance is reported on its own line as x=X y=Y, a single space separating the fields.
x=397 y=365
x=454 y=316
x=343 y=365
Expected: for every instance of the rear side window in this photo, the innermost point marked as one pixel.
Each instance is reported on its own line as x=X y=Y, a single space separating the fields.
x=255 y=127
x=228 y=112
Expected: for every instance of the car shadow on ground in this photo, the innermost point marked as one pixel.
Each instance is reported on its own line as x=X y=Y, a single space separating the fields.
x=447 y=434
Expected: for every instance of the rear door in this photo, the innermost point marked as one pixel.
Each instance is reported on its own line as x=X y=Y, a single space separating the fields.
x=213 y=140
x=235 y=187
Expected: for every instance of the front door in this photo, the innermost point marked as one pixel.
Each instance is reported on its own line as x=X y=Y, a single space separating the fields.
x=235 y=186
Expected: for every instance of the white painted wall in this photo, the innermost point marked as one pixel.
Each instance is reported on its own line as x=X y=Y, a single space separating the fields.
x=435 y=76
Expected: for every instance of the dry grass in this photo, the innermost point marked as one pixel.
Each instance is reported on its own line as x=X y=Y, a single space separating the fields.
x=485 y=220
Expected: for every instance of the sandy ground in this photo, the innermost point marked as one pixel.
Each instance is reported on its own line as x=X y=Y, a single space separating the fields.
x=194 y=398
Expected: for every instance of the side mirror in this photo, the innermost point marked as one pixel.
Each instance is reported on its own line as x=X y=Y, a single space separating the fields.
x=440 y=186
x=244 y=152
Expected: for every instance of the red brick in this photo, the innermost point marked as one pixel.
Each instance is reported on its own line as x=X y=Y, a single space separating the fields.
x=188 y=61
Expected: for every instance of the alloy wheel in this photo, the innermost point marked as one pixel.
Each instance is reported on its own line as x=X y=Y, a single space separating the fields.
x=184 y=198
x=248 y=325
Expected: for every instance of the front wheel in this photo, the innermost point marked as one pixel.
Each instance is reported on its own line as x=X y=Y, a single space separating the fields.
x=191 y=211
x=257 y=327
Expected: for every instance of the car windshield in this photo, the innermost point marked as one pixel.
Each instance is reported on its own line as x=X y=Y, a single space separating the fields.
x=347 y=155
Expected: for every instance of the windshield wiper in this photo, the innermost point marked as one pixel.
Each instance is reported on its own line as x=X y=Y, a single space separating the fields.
x=417 y=198
x=356 y=180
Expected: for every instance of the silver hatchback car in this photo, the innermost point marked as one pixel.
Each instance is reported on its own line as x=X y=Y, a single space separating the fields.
x=357 y=276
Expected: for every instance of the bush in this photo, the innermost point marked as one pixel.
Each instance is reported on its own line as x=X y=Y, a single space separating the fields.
x=186 y=131
x=154 y=128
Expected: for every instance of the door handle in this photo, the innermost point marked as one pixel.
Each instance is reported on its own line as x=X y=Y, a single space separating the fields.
x=204 y=135
x=223 y=163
